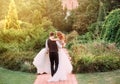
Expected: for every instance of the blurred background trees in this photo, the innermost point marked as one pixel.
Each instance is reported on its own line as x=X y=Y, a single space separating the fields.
x=88 y=12
x=11 y=20
x=92 y=31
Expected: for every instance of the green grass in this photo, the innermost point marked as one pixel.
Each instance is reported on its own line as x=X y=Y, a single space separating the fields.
x=15 y=77
x=112 y=77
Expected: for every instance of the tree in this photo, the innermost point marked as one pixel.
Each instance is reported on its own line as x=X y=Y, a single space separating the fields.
x=84 y=15
x=51 y=9
x=111 y=27
x=11 y=20
x=105 y=6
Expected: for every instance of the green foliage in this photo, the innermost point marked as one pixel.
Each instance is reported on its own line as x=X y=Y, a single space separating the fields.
x=18 y=61
x=25 y=39
x=25 y=25
x=11 y=20
x=11 y=35
x=84 y=15
x=2 y=48
x=94 y=56
x=32 y=11
x=51 y=9
x=18 y=47
x=39 y=17
x=98 y=63
x=94 y=30
x=75 y=52
x=71 y=36
x=111 y=27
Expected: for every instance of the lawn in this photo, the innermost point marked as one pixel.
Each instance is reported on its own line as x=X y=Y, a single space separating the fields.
x=15 y=77
x=112 y=77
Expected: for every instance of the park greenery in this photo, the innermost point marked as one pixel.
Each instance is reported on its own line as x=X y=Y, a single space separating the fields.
x=92 y=33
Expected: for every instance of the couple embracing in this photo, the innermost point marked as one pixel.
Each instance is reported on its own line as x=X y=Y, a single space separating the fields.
x=53 y=58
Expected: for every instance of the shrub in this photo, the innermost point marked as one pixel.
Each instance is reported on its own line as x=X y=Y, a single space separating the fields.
x=2 y=49
x=11 y=35
x=111 y=27
x=76 y=51
x=18 y=47
x=98 y=63
x=18 y=61
x=95 y=30
x=107 y=62
x=95 y=56
x=84 y=64
x=71 y=36
x=24 y=39
x=25 y=25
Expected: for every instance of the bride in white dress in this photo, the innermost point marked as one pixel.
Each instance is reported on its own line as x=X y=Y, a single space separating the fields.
x=42 y=62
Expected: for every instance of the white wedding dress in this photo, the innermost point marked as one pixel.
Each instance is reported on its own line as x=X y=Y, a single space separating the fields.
x=42 y=63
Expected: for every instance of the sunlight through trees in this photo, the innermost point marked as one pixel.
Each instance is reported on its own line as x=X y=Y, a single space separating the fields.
x=11 y=20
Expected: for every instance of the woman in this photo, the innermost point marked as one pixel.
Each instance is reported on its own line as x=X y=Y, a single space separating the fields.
x=42 y=62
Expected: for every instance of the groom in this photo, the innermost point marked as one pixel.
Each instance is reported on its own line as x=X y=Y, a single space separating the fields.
x=52 y=47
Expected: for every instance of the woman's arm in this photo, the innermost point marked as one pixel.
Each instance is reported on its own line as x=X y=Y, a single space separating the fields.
x=46 y=45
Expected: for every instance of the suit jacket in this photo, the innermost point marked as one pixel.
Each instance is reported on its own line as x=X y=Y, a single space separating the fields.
x=52 y=46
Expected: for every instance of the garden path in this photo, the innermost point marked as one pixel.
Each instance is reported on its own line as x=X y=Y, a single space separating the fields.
x=43 y=79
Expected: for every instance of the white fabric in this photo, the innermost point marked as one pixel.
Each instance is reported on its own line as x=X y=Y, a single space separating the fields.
x=42 y=63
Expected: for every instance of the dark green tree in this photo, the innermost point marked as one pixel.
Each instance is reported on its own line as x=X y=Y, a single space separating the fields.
x=84 y=15
x=111 y=27
x=105 y=6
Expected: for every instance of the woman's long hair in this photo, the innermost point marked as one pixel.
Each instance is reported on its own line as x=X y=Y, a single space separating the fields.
x=61 y=36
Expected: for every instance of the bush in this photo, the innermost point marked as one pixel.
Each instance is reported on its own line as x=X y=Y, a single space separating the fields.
x=111 y=27
x=25 y=25
x=11 y=35
x=2 y=49
x=24 y=39
x=18 y=61
x=76 y=51
x=71 y=36
x=98 y=63
x=94 y=56
x=18 y=47
x=95 y=30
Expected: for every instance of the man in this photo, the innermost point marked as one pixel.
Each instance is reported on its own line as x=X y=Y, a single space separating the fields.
x=52 y=47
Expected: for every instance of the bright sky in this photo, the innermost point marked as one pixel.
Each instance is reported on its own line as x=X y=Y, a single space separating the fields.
x=70 y=4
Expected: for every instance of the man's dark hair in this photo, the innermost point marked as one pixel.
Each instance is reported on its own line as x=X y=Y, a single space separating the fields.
x=51 y=34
